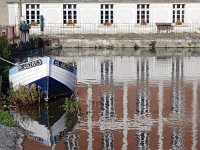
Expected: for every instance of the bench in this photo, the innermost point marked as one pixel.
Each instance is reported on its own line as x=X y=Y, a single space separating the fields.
x=164 y=27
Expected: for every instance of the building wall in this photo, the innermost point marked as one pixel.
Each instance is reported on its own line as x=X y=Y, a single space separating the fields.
x=3 y=13
x=125 y=18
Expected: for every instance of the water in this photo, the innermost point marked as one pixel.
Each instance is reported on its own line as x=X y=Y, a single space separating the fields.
x=130 y=100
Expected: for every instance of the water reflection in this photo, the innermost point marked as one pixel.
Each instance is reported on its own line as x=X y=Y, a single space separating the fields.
x=134 y=102
x=43 y=124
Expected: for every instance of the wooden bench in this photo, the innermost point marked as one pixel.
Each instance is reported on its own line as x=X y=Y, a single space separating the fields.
x=164 y=27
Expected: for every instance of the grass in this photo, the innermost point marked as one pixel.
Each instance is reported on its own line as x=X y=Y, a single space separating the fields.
x=7 y=119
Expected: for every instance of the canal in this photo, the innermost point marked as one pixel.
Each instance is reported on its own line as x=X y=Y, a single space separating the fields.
x=129 y=100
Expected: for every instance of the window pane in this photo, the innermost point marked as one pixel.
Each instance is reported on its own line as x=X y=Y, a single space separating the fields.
x=143 y=6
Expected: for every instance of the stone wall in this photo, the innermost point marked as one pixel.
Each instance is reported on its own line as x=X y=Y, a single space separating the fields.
x=112 y=43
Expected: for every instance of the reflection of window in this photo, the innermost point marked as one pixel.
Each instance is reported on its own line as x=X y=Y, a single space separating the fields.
x=33 y=13
x=177 y=139
x=143 y=13
x=107 y=71
x=108 y=141
x=107 y=105
x=178 y=13
x=142 y=103
x=69 y=14
x=176 y=101
x=143 y=140
x=72 y=141
x=107 y=13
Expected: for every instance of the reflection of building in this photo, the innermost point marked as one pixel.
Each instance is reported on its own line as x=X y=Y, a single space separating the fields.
x=108 y=140
x=177 y=85
x=107 y=105
x=177 y=139
x=107 y=71
x=149 y=100
x=147 y=106
x=143 y=140
x=143 y=95
x=72 y=141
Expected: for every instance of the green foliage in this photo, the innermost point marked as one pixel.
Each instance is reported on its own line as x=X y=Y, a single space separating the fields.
x=4 y=50
x=152 y=48
x=71 y=105
x=7 y=119
x=24 y=95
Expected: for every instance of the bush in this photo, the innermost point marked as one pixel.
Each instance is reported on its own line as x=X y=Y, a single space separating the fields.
x=4 y=50
x=24 y=95
x=7 y=119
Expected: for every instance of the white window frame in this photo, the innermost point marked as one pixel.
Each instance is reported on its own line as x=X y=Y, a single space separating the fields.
x=143 y=13
x=107 y=14
x=70 y=8
x=35 y=17
x=178 y=13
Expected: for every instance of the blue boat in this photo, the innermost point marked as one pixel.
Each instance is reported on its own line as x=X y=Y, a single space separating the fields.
x=54 y=77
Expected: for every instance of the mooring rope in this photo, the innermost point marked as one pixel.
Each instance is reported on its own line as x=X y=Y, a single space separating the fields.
x=7 y=61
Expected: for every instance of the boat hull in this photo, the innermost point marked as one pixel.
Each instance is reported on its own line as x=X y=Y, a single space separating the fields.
x=55 y=78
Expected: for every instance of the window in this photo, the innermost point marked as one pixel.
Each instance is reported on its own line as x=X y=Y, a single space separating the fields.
x=69 y=14
x=33 y=13
x=107 y=14
x=143 y=14
x=178 y=13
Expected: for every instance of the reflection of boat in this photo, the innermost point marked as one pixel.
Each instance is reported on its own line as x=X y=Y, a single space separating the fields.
x=54 y=77
x=44 y=125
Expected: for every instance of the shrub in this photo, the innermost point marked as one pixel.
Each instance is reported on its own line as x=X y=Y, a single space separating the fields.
x=7 y=119
x=24 y=95
x=4 y=50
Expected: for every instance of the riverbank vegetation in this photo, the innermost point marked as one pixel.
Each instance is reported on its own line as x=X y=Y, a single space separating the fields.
x=4 y=48
x=25 y=95
x=6 y=119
